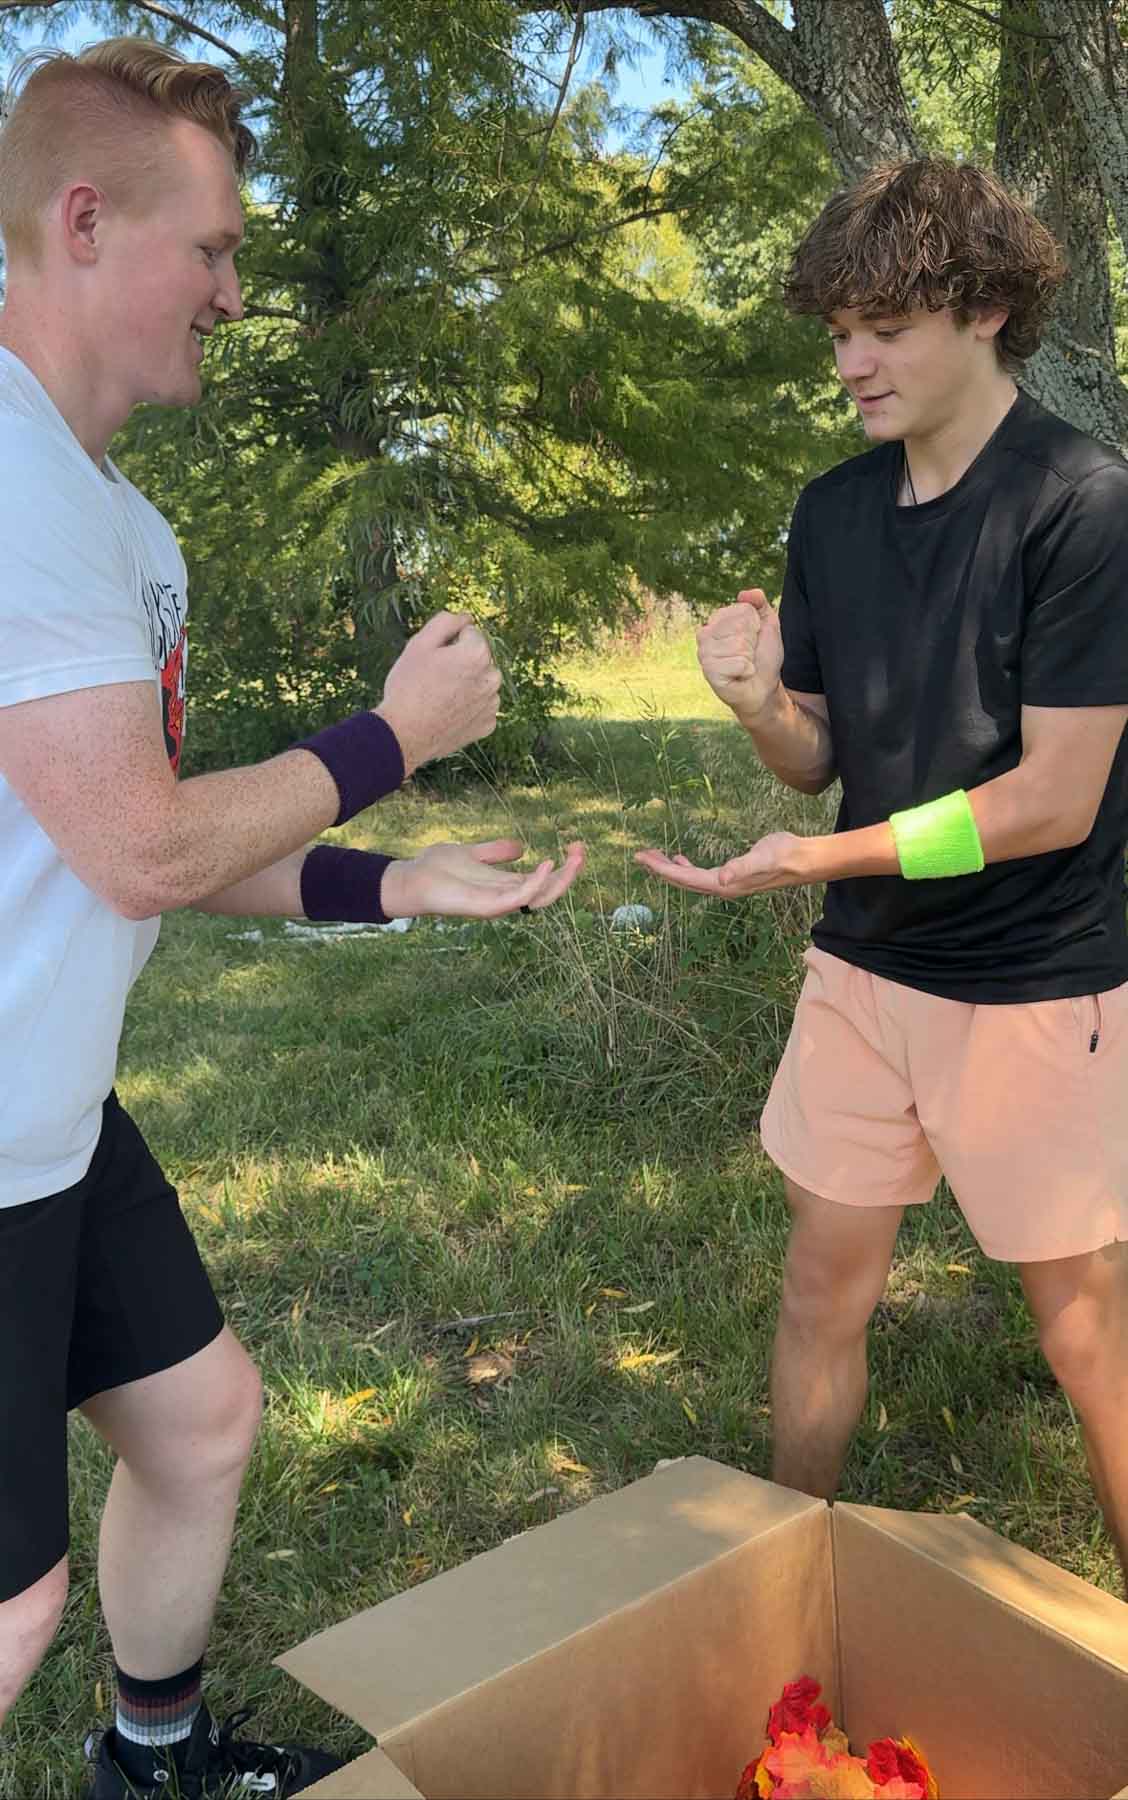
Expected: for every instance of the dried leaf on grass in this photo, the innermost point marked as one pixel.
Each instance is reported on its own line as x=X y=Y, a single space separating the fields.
x=647 y=1359
x=491 y=1366
x=352 y=1401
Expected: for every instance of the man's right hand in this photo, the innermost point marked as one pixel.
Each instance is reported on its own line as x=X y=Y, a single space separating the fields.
x=740 y=649
x=441 y=693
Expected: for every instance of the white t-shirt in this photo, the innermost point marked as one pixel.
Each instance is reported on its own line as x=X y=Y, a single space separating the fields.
x=92 y=591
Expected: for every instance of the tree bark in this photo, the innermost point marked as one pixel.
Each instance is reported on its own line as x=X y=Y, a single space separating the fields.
x=1043 y=153
x=838 y=57
x=1087 y=42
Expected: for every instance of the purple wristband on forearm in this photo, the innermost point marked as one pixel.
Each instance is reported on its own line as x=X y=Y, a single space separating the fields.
x=363 y=756
x=344 y=885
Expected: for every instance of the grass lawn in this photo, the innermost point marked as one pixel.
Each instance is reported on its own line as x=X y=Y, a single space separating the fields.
x=554 y=1124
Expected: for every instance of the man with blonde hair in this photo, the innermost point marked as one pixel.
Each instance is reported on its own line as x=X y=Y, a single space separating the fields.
x=121 y=216
x=952 y=643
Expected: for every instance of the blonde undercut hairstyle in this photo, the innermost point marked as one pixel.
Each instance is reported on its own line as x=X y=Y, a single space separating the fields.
x=102 y=117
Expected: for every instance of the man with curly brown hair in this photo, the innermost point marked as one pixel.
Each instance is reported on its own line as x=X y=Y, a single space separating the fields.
x=952 y=645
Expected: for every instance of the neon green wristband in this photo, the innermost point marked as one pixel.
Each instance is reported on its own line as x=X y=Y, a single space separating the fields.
x=940 y=838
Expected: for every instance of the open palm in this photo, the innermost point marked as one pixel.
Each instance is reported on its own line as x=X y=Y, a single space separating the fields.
x=464 y=881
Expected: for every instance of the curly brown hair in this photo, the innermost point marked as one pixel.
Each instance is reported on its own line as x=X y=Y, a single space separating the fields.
x=101 y=115
x=930 y=233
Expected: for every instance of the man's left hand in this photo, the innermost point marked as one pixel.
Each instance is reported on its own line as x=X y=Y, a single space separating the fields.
x=775 y=862
x=462 y=881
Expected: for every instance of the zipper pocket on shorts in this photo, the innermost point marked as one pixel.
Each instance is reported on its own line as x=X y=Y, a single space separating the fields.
x=1089 y=1014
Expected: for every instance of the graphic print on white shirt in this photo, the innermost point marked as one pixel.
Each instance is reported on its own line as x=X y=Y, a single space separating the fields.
x=168 y=635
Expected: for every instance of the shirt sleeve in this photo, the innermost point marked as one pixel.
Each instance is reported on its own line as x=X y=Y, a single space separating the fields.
x=69 y=617
x=801 y=670
x=1075 y=642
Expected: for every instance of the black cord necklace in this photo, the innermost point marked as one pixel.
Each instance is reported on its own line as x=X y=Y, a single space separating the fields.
x=908 y=474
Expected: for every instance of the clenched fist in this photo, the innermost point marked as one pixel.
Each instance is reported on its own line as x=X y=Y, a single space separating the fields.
x=441 y=693
x=741 y=653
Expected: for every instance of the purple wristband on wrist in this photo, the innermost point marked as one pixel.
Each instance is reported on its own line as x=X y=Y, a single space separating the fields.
x=363 y=756
x=344 y=885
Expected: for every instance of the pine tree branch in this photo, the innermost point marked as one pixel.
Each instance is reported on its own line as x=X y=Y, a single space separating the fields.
x=251 y=311
x=149 y=6
x=746 y=19
x=578 y=239
x=993 y=18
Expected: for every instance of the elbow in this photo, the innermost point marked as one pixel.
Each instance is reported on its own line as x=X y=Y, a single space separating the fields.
x=144 y=887
x=1066 y=827
x=133 y=899
x=1045 y=818
x=816 y=784
x=1075 y=831
x=1044 y=835
x=123 y=890
x=136 y=908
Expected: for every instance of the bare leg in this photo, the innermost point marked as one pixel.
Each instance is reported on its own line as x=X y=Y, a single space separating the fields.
x=1080 y=1304
x=184 y=1438
x=837 y=1263
x=27 y=1625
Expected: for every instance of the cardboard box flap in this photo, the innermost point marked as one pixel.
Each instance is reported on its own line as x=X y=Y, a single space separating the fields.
x=371 y=1777
x=661 y=1700
x=1011 y=1675
x=397 y=1661
x=1092 y=1621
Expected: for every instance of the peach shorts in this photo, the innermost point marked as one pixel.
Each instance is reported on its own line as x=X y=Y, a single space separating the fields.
x=1023 y=1108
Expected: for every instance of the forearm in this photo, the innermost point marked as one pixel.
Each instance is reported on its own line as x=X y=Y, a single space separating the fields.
x=793 y=742
x=274 y=893
x=216 y=831
x=1018 y=814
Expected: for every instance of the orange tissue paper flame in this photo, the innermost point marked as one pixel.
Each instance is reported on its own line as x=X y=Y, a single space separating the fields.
x=809 y=1758
x=796 y=1708
x=890 y=1760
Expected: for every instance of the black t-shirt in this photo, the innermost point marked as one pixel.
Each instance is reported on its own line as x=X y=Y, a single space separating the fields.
x=928 y=628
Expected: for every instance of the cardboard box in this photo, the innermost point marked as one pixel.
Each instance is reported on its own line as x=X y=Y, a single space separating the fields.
x=632 y=1648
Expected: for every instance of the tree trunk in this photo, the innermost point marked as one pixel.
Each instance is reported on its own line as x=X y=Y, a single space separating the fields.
x=1043 y=152
x=853 y=85
x=1087 y=42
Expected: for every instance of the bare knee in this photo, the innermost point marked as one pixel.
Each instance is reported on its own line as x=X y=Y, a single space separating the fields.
x=822 y=1296
x=203 y=1438
x=28 y=1622
x=224 y=1437
x=1074 y=1345
x=837 y=1265
x=40 y=1607
x=1079 y=1306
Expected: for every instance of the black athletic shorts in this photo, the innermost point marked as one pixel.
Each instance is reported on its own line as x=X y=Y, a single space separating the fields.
x=99 y=1285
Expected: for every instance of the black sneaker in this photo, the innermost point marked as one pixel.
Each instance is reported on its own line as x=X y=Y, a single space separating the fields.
x=212 y=1764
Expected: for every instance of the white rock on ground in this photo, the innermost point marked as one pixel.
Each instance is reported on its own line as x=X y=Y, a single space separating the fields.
x=632 y=918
